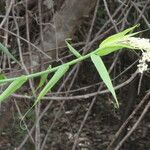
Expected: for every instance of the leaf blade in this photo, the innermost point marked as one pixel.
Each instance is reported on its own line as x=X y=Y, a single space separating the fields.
x=56 y=77
x=115 y=37
x=110 y=49
x=15 y=85
x=114 y=42
x=98 y=63
x=72 y=49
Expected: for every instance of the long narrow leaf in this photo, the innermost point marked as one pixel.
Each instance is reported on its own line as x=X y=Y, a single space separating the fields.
x=6 y=51
x=113 y=48
x=56 y=77
x=15 y=85
x=110 y=40
x=104 y=74
x=73 y=50
x=113 y=43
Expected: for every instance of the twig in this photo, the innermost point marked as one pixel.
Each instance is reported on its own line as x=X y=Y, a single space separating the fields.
x=136 y=124
x=7 y=13
x=84 y=96
x=125 y=123
x=27 y=42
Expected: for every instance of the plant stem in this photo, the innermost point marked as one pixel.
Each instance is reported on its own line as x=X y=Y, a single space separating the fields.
x=77 y=60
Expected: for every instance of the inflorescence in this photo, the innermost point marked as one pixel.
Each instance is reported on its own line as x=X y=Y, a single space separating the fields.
x=144 y=45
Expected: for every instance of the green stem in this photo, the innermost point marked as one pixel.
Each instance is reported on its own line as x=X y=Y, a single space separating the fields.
x=52 y=69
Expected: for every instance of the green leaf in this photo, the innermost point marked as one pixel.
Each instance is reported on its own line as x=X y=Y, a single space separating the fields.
x=104 y=75
x=116 y=37
x=15 y=85
x=56 y=77
x=6 y=51
x=110 y=49
x=73 y=50
x=43 y=79
x=114 y=42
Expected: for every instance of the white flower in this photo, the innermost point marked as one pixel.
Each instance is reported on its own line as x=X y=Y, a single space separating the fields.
x=142 y=66
x=138 y=43
x=142 y=44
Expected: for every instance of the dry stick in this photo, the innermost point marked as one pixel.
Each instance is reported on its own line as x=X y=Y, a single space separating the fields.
x=84 y=96
x=140 y=83
x=20 y=53
x=28 y=32
x=6 y=36
x=3 y=16
x=125 y=123
x=136 y=124
x=142 y=13
x=37 y=107
x=56 y=39
x=144 y=18
x=91 y=28
x=62 y=103
x=108 y=12
x=26 y=42
x=7 y=13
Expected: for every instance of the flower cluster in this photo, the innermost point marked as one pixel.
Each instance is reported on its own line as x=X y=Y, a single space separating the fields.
x=142 y=66
x=139 y=43
x=144 y=45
